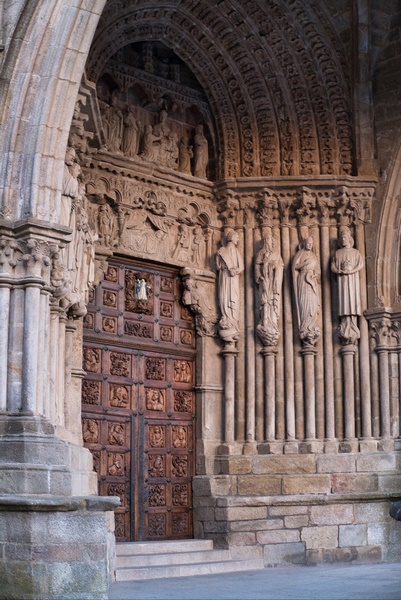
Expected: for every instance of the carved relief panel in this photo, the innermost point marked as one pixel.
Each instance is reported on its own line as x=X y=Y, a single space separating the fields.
x=138 y=400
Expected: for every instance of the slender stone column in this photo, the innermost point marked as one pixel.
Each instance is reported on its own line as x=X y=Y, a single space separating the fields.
x=269 y=355
x=69 y=332
x=288 y=337
x=61 y=369
x=374 y=371
x=229 y=354
x=385 y=429
x=4 y=318
x=250 y=336
x=53 y=360
x=309 y=353
x=364 y=363
x=327 y=333
x=43 y=353
x=348 y=354
x=30 y=349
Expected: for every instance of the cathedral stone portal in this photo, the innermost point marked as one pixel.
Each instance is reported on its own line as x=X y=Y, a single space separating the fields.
x=199 y=283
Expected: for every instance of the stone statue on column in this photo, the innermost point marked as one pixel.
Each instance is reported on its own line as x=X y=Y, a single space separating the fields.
x=229 y=265
x=269 y=268
x=346 y=263
x=306 y=278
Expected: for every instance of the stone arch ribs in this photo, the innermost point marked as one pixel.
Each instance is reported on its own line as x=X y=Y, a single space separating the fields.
x=270 y=70
x=42 y=69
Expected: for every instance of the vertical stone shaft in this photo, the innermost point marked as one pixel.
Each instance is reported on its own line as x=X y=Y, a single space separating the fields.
x=229 y=391
x=53 y=362
x=4 y=324
x=30 y=349
x=327 y=333
x=288 y=337
x=374 y=360
x=348 y=354
x=385 y=430
x=69 y=331
x=310 y=393
x=250 y=336
x=15 y=349
x=269 y=354
x=42 y=353
x=61 y=370
x=364 y=363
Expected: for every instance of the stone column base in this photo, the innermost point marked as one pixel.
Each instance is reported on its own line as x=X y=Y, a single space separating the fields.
x=56 y=547
x=33 y=460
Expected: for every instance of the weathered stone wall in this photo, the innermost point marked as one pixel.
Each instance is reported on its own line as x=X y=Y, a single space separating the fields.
x=304 y=509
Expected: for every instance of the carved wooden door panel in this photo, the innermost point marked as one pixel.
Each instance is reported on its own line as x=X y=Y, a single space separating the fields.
x=138 y=402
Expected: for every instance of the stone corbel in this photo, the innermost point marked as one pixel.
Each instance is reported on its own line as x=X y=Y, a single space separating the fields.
x=199 y=295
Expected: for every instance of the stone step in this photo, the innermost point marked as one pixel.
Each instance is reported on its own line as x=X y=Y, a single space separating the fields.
x=167 y=546
x=171 y=558
x=188 y=570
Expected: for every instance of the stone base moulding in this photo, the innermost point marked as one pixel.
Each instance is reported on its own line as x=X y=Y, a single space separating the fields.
x=56 y=547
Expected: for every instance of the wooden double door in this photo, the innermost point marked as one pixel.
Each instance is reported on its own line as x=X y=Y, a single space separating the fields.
x=138 y=403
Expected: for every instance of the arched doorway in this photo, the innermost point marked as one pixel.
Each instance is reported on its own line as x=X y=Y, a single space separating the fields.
x=138 y=403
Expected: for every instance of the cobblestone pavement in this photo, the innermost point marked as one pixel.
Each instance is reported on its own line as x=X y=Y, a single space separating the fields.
x=346 y=582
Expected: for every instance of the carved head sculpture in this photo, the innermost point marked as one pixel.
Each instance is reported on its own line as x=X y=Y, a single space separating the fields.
x=345 y=239
x=306 y=244
x=231 y=236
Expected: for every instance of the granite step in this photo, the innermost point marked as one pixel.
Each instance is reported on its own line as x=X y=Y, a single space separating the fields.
x=139 y=561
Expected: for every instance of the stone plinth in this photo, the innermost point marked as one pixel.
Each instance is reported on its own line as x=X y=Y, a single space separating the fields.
x=303 y=508
x=56 y=547
x=34 y=461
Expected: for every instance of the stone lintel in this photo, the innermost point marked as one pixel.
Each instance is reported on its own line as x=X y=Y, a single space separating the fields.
x=31 y=227
x=22 y=503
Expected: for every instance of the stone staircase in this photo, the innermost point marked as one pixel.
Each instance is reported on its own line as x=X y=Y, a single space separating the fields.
x=138 y=561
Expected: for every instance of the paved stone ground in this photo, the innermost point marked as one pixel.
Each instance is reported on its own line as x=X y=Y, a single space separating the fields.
x=349 y=582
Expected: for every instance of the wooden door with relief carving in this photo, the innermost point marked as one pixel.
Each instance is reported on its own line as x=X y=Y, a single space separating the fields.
x=138 y=403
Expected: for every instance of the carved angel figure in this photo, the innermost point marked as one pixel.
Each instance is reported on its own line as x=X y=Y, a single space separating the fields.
x=346 y=263
x=269 y=276
x=306 y=277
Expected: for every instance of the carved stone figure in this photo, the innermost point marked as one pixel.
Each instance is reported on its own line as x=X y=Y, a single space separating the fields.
x=185 y=154
x=201 y=153
x=130 y=140
x=269 y=276
x=197 y=246
x=346 y=263
x=181 y=251
x=306 y=276
x=70 y=198
x=168 y=150
x=115 y=127
x=106 y=225
x=229 y=265
x=151 y=145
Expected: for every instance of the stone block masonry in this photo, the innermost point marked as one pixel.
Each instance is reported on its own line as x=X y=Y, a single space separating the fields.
x=309 y=509
x=56 y=547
